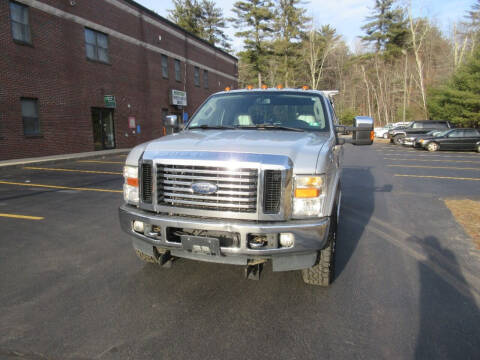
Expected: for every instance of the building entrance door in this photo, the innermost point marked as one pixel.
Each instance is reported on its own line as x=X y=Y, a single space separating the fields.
x=103 y=128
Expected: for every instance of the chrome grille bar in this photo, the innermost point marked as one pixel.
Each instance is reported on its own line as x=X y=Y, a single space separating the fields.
x=236 y=188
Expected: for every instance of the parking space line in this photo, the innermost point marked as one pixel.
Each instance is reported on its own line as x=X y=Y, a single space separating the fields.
x=429 y=155
x=435 y=167
x=59 y=187
x=16 y=216
x=74 y=170
x=463 y=161
x=101 y=162
x=437 y=177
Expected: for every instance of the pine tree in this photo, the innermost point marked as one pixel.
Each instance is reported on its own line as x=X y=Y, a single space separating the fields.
x=188 y=15
x=386 y=28
x=473 y=17
x=203 y=19
x=290 y=22
x=254 y=17
x=459 y=100
x=213 y=24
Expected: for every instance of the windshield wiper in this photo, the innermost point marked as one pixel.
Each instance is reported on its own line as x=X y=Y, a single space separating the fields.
x=269 y=126
x=210 y=127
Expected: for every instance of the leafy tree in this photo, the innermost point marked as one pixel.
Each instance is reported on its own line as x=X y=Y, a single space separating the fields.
x=201 y=18
x=386 y=28
x=254 y=17
x=290 y=21
x=459 y=100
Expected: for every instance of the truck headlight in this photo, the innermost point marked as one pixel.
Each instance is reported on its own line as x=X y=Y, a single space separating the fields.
x=309 y=195
x=130 y=187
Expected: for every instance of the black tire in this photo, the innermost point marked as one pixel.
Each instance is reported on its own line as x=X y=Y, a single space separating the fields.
x=146 y=258
x=397 y=138
x=433 y=146
x=323 y=273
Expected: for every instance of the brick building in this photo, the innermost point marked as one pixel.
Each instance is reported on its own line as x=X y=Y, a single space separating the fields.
x=80 y=75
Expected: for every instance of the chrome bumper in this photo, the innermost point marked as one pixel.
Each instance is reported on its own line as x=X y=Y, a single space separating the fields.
x=310 y=236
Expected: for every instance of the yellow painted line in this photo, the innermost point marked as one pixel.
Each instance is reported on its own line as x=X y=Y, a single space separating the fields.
x=463 y=161
x=16 y=216
x=436 y=167
x=74 y=170
x=438 y=177
x=101 y=162
x=59 y=187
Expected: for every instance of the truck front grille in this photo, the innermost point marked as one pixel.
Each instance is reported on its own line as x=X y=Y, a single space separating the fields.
x=272 y=191
x=147 y=183
x=236 y=189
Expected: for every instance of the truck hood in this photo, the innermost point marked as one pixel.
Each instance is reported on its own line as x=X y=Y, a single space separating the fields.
x=302 y=148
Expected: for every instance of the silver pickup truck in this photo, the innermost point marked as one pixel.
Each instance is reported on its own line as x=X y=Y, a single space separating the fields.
x=253 y=177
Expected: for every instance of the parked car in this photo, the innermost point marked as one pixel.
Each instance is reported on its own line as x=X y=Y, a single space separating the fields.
x=413 y=140
x=382 y=132
x=419 y=127
x=455 y=139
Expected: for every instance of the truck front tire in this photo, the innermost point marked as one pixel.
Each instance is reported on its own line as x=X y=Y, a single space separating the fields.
x=322 y=274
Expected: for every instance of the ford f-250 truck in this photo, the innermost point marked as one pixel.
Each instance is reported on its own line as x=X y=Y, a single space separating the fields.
x=253 y=177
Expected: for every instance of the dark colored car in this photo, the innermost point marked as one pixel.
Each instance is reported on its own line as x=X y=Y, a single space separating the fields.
x=414 y=139
x=419 y=127
x=455 y=139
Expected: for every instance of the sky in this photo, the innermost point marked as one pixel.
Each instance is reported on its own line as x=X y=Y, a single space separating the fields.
x=347 y=16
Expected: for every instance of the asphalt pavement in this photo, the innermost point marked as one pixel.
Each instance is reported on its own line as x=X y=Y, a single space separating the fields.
x=407 y=283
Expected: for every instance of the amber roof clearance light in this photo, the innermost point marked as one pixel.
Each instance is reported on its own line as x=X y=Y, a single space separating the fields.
x=264 y=87
x=279 y=86
x=305 y=87
x=249 y=87
x=227 y=88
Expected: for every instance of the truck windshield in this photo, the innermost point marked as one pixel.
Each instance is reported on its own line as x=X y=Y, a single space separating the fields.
x=266 y=110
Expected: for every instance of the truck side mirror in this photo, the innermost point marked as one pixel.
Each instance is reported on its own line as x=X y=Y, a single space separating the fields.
x=363 y=135
x=362 y=131
x=171 y=121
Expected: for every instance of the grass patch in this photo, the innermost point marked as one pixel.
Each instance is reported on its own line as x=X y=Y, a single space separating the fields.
x=467 y=214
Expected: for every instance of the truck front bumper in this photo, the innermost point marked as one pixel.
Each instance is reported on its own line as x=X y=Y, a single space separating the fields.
x=309 y=237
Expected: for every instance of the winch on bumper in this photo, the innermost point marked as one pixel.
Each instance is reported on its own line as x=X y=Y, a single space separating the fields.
x=225 y=241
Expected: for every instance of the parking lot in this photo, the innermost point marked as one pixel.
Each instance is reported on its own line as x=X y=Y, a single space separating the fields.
x=407 y=275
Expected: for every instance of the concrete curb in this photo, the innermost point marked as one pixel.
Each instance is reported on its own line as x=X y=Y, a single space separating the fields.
x=60 y=158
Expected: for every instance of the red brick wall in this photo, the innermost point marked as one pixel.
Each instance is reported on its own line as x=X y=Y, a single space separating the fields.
x=55 y=70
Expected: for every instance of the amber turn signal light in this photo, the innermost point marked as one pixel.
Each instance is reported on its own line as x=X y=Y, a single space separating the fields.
x=307 y=193
x=132 y=182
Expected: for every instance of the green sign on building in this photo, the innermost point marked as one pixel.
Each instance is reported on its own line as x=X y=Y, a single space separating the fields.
x=109 y=101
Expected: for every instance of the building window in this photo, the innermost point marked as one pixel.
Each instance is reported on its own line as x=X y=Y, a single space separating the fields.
x=178 y=72
x=31 y=124
x=165 y=66
x=196 y=76
x=205 y=79
x=20 y=23
x=96 y=45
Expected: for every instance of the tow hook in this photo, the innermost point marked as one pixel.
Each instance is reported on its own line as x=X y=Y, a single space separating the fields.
x=164 y=259
x=252 y=272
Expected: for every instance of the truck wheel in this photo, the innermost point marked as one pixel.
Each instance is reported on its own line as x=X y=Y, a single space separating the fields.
x=433 y=146
x=396 y=139
x=146 y=258
x=323 y=272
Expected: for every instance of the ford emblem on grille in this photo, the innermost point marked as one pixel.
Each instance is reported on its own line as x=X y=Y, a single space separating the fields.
x=204 y=188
